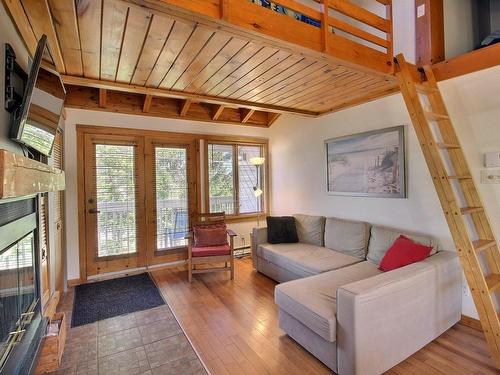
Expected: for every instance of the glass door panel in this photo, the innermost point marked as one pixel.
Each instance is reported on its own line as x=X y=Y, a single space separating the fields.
x=172 y=191
x=116 y=200
x=114 y=213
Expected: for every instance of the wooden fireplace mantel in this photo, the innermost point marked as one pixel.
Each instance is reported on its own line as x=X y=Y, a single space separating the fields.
x=22 y=176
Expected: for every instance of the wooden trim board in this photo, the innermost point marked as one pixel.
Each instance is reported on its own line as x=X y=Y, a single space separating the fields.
x=471 y=62
x=22 y=176
x=471 y=322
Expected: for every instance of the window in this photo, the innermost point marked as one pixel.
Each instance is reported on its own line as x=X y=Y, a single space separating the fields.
x=235 y=184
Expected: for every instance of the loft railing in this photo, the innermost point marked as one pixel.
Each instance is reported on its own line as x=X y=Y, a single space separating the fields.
x=361 y=36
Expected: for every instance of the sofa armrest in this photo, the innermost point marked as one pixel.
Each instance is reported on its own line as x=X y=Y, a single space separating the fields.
x=385 y=318
x=259 y=236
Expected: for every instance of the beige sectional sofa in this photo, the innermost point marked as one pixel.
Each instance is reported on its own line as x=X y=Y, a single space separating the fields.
x=338 y=305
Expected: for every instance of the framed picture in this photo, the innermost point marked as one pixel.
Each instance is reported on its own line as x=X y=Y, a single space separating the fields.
x=370 y=164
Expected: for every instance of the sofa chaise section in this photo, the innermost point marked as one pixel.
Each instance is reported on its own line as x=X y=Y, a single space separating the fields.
x=384 y=319
x=308 y=308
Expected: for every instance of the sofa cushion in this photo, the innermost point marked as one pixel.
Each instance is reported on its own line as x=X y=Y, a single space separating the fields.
x=310 y=229
x=281 y=229
x=382 y=238
x=303 y=259
x=313 y=300
x=348 y=237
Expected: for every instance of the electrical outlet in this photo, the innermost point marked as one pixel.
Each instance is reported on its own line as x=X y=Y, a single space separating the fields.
x=465 y=290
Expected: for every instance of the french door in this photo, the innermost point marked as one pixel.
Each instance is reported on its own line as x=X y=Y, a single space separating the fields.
x=140 y=193
x=171 y=198
x=115 y=203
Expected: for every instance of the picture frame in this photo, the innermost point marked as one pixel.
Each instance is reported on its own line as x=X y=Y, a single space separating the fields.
x=368 y=164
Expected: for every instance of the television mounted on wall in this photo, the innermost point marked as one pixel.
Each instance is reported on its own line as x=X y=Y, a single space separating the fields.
x=36 y=120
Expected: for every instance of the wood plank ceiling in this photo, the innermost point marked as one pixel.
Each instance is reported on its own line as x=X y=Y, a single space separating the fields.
x=113 y=45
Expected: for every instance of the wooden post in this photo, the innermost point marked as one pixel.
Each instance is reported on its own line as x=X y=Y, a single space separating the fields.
x=102 y=98
x=429 y=26
x=325 y=29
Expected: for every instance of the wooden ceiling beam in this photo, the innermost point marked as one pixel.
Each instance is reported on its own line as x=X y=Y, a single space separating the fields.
x=164 y=93
x=185 y=104
x=246 y=114
x=147 y=103
x=272 y=117
x=217 y=112
x=102 y=98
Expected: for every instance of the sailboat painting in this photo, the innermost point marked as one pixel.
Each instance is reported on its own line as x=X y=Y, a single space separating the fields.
x=370 y=164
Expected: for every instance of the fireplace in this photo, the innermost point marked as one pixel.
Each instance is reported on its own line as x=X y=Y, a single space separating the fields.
x=21 y=323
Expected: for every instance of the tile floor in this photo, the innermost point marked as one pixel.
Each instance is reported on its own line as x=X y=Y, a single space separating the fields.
x=145 y=342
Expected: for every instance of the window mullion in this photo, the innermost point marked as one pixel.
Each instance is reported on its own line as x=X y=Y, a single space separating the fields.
x=236 y=186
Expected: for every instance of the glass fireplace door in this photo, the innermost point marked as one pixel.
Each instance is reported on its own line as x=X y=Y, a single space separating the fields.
x=17 y=292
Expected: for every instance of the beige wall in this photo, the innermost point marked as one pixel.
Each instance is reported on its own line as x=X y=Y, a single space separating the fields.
x=298 y=159
x=84 y=117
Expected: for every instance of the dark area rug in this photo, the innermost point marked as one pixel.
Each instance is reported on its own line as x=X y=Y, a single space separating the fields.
x=110 y=298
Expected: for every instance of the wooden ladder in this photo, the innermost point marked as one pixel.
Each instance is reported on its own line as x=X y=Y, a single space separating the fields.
x=466 y=216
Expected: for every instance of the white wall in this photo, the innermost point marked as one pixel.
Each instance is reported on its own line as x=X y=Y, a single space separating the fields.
x=459 y=27
x=83 y=117
x=298 y=160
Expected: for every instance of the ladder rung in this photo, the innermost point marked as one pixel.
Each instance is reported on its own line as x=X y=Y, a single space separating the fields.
x=425 y=88
x=481 y=244
x=471 y=210
x=447 y=145
x=460 y=177
x=435 y=116
x=493 y=281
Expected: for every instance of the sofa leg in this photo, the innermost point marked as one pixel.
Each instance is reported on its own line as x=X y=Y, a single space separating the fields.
x=232 y=268
x=190 y=272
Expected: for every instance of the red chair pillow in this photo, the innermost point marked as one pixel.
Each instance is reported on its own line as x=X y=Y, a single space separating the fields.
x=403 y=251
x=210 y=235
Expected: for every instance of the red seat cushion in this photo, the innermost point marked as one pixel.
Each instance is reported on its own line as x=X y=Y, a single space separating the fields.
x=210 y=235
x=403 y=252
x=208 y=251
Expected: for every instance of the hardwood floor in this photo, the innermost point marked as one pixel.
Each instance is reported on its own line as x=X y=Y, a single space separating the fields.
x=234 y=327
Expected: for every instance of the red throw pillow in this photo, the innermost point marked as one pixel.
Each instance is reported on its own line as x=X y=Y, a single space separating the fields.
x=210 y=235
x=403 y=252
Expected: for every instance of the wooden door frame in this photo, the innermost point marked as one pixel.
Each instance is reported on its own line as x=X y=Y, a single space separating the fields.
x=117 y=263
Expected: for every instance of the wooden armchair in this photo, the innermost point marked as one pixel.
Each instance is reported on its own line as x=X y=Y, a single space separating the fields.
x=199 y=253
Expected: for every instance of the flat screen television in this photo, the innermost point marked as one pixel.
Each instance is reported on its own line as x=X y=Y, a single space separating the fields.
x=36 y=120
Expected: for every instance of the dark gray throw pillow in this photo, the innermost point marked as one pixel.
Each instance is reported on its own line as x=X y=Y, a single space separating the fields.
x=281 y=229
